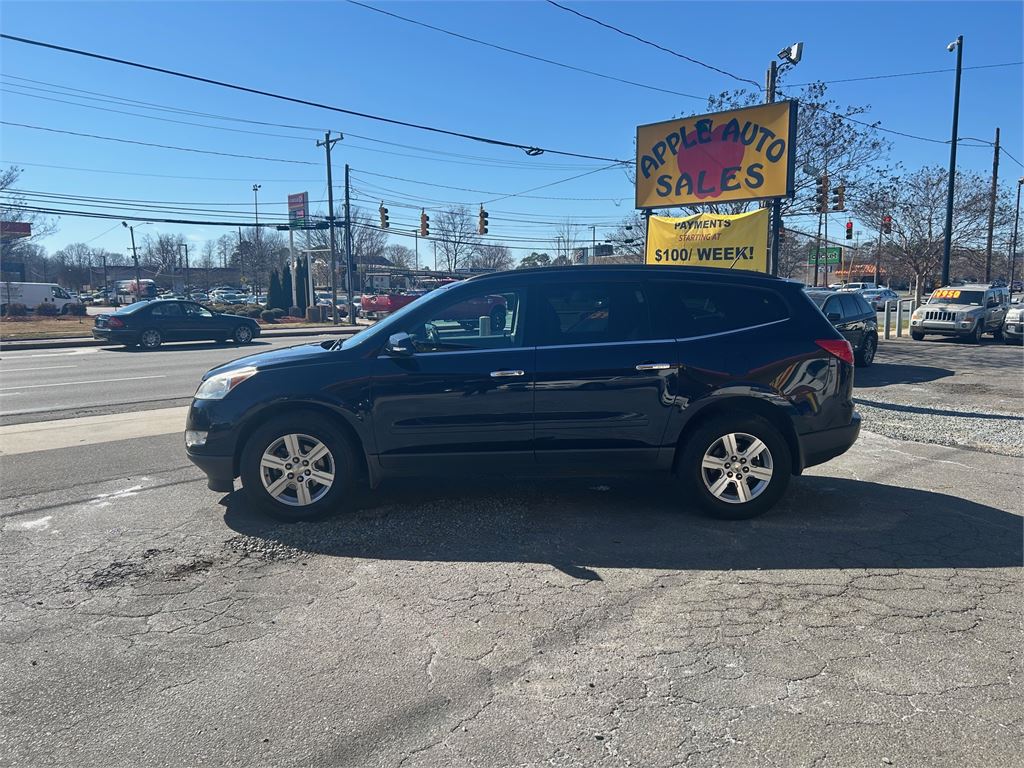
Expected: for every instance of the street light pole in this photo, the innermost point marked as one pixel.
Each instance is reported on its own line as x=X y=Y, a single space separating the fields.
x=1013 y=242
x=186 y=266
x=958 y=44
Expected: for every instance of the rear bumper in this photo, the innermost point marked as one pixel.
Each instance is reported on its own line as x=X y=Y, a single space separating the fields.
x=219 y=470
x=819 y=447
x=116 y=336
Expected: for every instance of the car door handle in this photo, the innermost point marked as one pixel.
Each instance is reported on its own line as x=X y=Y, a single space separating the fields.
x=653 y=366
x=506 y=374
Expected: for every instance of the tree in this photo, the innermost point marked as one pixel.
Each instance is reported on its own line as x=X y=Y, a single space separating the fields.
x=274 y=292
x=286 y=289
x=13 y=207
x=917 y=204
x=627 y=240
x=401 y=256
x=456 y=237
x=567 y=235
x=535 y=260
x=496 y=257
x=368 y=242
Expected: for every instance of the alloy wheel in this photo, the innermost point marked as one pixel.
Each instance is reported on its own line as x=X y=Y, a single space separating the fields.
x=737 y=468
x=297 y=470
x=243 y=335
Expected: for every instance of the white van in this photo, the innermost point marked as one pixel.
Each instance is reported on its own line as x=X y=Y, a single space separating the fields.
x=34 y=294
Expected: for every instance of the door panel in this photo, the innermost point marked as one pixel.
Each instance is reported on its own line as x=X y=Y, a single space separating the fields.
x=463 y=401
x=591 y=396
x=449 y=403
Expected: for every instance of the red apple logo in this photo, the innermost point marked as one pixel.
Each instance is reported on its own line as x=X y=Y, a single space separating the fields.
x=705 y=164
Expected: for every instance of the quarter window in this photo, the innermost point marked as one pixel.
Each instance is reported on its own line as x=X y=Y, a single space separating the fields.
x=851 y=308
x=687 y=309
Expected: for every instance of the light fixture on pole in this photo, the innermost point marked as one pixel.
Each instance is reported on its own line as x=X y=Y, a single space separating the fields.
x=790 y=57
x=947 y=239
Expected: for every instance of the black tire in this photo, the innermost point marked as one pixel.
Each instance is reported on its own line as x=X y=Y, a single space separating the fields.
x=916 y=336
x=242 y=334
x=64 y=309
x=866 y=354
x=704 y=438
x=313 y=426
x=997 y=334
x=975 y=336
x=498 y=315
x=150 y=338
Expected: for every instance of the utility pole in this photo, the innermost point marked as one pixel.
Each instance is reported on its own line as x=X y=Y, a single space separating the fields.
x=186 y=267
x=878 y=253
x=817 y=252
x=348 y=252
x=948 y=235
x=327 y=143
x=256 y=254
x=992 y=211
x=775 y=206
x=135 y=258
x=105 y=283
x=1013 y=242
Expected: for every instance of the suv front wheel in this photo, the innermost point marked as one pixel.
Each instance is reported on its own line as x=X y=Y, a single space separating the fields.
x=736 y=467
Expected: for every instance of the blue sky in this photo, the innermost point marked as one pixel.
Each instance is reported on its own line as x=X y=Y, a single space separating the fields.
x=352 y=57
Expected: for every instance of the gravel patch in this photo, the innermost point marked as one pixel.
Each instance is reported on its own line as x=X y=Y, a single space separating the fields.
x=992 y=433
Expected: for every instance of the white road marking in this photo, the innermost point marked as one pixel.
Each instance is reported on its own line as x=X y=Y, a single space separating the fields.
x=93 y=381
x=13 y=354
x=90 y=430
x=30 y=525
x=41 y=368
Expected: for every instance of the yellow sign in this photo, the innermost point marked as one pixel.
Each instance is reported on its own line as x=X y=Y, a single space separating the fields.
x=710 y=240
x=946 y=293
x=742 y=154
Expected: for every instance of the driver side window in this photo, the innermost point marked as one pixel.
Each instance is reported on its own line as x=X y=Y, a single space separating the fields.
x=485 y=319
x=194 y=310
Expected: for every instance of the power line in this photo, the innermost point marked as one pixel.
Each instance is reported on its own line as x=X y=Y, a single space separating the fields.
x=486 y=192
x=683 y=56
x=523 y=54
x=906 y=74
x=529 y=149
x=119 y=101
x=159 y=146
x=1003 y=150
x=159 y=175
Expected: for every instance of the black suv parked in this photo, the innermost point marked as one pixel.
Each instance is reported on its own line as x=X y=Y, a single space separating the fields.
x=733 y=382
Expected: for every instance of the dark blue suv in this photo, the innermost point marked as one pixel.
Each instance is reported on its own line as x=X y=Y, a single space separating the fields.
x=731 y=381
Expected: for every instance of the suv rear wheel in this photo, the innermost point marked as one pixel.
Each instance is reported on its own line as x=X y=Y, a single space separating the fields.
x=297 y=467
x=736 y=467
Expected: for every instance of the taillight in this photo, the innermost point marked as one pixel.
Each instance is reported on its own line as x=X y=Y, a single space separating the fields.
x=115 y=322
x=839 y=347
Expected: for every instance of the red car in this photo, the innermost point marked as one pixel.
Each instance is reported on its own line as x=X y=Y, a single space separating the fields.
x=490 y=306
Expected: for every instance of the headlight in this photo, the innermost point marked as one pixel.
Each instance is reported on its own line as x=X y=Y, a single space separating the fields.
x=216 y=387
x=918 y=313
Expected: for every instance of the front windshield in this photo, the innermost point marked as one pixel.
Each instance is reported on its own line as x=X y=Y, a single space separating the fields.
x=957 y=296
x=389 y=324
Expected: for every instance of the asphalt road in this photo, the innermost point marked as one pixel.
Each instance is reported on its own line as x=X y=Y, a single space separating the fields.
x=62 y=383
x=873 y=618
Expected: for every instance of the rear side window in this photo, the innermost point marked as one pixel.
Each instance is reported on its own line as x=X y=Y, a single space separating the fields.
x=851 y=306
x=166 y=310
x=591 y=313
x=682 y=309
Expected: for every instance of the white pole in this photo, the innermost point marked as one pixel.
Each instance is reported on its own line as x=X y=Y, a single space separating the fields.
x=294 y=266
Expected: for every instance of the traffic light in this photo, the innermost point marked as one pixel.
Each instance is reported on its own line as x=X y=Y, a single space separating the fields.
x=482 y=224
x=887 y=224
x=384 y=221
x=839 y=198
x=849 y=230
x=821 y=194
x=424 y=224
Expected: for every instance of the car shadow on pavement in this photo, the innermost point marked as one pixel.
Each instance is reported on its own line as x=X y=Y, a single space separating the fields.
x=936 y=411
x=886 y=374
x=189 y=346
x=578 y=526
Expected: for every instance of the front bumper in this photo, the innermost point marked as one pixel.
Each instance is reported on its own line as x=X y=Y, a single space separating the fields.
x=1014 y=330
x=818 y=447
x=219 y=470
x=938 y=328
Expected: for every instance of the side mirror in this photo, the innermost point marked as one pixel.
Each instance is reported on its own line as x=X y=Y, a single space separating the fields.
x=400 y=345
x=832 y=317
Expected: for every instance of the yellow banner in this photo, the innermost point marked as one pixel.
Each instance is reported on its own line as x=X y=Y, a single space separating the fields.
x=710 y=240
x=742 y=154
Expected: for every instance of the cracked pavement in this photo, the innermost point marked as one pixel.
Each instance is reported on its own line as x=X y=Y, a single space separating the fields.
x=873 y=618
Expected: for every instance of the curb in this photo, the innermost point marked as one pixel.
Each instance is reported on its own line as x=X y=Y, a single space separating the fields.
x=17 y=344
